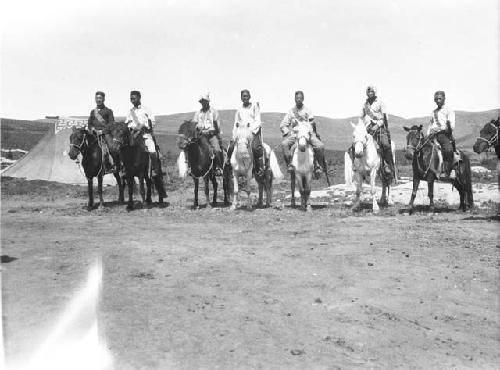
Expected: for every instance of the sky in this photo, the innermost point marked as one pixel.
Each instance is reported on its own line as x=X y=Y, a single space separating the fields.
x=56 y=53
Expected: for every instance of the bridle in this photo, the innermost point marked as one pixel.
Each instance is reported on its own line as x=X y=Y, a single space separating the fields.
x=421 y=141
x=494 y=138
x=82 y=143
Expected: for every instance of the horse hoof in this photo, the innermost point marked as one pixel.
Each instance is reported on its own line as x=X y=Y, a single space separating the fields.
x=308 y=209
x=232 y=208
x=90 y=208
x=376 y=210
x=149 y=201
x=130 y=207
x=101 y=206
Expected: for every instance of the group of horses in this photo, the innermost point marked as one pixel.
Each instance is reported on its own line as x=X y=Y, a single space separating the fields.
x=364 y=162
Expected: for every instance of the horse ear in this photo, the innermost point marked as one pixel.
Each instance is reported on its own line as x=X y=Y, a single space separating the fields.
x=420 y=127
x=406 y=128
x=73 y=128
x=353 y=125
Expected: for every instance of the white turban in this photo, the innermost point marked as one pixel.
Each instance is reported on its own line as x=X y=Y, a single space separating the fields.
x=205 y=96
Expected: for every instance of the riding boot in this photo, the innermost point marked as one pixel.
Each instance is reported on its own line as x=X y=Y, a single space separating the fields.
x=288 y=161
x=219 y=163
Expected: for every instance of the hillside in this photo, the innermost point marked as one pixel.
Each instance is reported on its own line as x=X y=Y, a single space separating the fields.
x=336 y=133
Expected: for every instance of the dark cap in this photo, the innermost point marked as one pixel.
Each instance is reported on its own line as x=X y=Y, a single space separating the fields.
x=100 y=93
x=135 y=92
x=440 y=92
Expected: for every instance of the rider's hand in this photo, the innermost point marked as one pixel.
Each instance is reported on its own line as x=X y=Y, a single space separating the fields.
x=99 y=132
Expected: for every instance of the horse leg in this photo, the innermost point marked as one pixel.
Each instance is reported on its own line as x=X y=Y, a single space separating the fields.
x=269 y=190
x=141 y=188
x=158 y=182
x=207 y=191
x=196 y=185
x=236 y=193
x=416 y=182
x=261 y=192
x=148 y=189
x=373 y=191
x=215 y=187
x=130 y=184
x=99 y=190
x=307 y=193
x=292 y=185
x=121 y=186
x=90 y=189
x=225 y=189
x=430 y=192
x=359 y=187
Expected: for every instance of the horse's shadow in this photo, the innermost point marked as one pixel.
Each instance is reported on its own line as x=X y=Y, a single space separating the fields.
x=218 y=205
x=137 y=205
x=426 y=209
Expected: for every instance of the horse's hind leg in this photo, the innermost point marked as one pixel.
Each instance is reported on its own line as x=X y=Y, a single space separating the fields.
x=141 y=188
x=207 y=191
x=121 y=186
x=215 y=187
x=130 y=184
x=292 y=186
x=196 y=186
x=90 y=190
x=269 y=191
x=416 y=182
x=373 y=191
x=148 y=189
x=236 y=193
x=430 y=192
x=99 y=190
x=261 y=193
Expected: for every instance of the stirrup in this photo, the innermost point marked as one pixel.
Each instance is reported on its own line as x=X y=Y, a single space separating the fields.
x=218 y=172
x=291 y=168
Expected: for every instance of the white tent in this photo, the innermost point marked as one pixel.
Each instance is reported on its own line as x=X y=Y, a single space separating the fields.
x=49 y=159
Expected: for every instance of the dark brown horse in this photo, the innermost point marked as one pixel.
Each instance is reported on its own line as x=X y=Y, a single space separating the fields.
x=425 y=162
x=136 y=163
x=82 y=141
x=488 y=137
x=197 y=149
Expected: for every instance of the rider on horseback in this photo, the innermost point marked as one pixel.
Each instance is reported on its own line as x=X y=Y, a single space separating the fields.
x=441 y=128
x=249 y=114
x=140 y=120
x=300 y=113
x=208 y=123
x=99 y=122
x=374 y=115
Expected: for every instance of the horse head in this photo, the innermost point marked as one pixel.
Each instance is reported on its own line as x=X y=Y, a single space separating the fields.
x=360 y=138
x=303 y=132
x=414 y=138
x=121 y=135
x=488 y=136
x=187 y=134
x=78 y=142
x=243 y=142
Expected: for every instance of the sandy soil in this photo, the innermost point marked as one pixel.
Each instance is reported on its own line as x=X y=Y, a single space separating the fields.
x=272 y=288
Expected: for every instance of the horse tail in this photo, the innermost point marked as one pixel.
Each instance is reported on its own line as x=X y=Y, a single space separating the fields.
x=181 y=164
x=393 y=149
x=275 y=167
x=348 y=173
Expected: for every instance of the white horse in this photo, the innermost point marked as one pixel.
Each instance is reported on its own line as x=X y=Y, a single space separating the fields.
x=242 y=165
x=303 y=163
x=366 y=162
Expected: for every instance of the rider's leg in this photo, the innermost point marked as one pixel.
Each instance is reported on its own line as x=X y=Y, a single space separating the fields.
x=230 y=150
x=447 y=151
x=319 y=151
x=219 y=157
x=286 y=145
x=258 y=153
x=385 y=149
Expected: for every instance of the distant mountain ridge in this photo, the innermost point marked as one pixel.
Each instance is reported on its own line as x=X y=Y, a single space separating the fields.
x=335 y=132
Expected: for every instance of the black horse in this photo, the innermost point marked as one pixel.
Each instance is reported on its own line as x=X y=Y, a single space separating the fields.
x=425 y=162
x=488 y=137
x=198 y=151
x=86 y=143
x=137 y=163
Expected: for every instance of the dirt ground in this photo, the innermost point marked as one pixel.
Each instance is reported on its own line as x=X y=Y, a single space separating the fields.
x=272 y=288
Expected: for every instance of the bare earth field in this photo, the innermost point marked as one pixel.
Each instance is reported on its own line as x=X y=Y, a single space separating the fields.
x=272 y=288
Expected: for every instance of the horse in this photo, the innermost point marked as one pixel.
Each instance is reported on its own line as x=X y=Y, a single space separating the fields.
x=137 y=163
x=488 y=137
x=86 y=143
x=303 y=164
x=201 y=162
x=242 y=165
x=426 y=165
x=366 y=162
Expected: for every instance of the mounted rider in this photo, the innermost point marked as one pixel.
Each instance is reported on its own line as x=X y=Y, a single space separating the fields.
x=249 y=114
x=300 y=113
x=100 y=120
x=208 y=124
x=374 y=115
x=141 y=121
x=440 y=129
